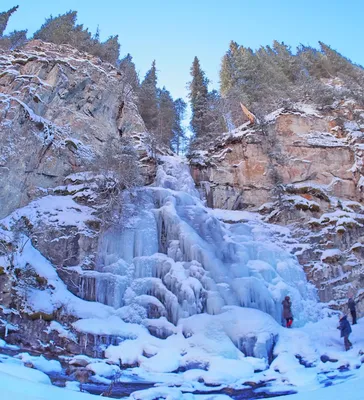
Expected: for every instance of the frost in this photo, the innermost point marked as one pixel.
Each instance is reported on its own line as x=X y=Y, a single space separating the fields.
x=62 y=331
x=53 y=211
x=325 y=139
x=330 y=254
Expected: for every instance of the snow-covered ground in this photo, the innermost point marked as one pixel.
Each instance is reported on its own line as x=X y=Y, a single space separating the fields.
x=306 y=360
x=215 y=280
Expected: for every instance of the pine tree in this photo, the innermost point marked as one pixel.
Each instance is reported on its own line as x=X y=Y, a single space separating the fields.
x=110 y=49
x=215 y=113
x=148 y=103
x=59 y=30
x=4 y=19
x=340 y=65
x=286 y=61
x=166 y=117
x=127 y=66
x=312 y=62
x=14 y=40
x=228 y=69
x=199 y=99
x=179 y=134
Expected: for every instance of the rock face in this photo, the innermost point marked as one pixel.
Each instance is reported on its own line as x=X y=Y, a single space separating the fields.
x=61 y=111
x=241 y=170
x=67 y=122
x=71 y=280
x=302 y=168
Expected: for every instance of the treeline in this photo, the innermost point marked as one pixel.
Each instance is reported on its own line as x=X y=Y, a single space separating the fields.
x=162 y=114
x=269 y=78
x=13 y=39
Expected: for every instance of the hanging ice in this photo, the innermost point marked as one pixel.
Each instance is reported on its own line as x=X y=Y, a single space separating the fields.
x=171 y=257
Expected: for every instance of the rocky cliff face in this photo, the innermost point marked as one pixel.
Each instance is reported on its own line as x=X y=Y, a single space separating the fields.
x=303 y=168
x=72 y=139
x=61 y=112
x=70 y=134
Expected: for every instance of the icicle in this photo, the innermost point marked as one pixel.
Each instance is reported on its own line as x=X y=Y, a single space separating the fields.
x=205 y=264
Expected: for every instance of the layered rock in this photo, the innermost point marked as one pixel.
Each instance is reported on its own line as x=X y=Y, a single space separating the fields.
x=67 y=122
x=61 y=111
x=303 y=168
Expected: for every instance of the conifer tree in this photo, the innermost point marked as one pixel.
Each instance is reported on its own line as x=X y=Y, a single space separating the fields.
x=312 y=62
x=179 y=135
x=199 y=99
x=148 y=102
x=340 y=65
x=64 y=30
x=228 y=69
x=4 y=19
x=285 y=60
x=13 y=40
x=59 y=30
x=110 y=49
x=215 y=113
x=127 y=66
x=166 y=117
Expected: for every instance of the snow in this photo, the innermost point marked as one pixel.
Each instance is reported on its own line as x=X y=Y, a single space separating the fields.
x=234 y=216
x=325 y=139
x=62 y=331
x=41 y=363
x=209 y=282
x=331 y=254
x=23 y=373
x=58 y=211
x=308 y=343
x=160 y=393
x=27 y=384
x=103 y=369
x=296 y=108
x=57 y=294
x=108 y=326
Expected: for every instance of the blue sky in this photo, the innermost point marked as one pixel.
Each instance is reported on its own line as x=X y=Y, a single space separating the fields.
x=173 y=32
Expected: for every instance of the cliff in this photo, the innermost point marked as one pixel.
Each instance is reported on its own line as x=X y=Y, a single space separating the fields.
x=61 y=112
x=71 y=140
x=301 y=167
x=108 y=252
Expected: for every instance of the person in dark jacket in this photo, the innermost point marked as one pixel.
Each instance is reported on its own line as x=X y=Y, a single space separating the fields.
x=345 y=330
x=351 y=305
x=287 y=311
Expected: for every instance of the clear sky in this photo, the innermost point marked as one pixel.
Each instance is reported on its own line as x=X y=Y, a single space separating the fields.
x=173 y=32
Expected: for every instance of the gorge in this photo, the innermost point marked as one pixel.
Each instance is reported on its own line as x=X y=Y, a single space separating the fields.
x=184 y=272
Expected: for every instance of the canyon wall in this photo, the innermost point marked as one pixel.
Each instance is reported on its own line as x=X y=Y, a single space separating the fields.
x=301 y=167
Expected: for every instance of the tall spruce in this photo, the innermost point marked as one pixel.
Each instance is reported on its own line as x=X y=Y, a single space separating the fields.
x=63 y=29
x=13 y=40
x=4 y=19
x=215 y=114
x=179 y=138
x=228 y=69
x=127 y=66
x=166 y=117
x=199 y=99
x=111 y=49
x=273 y=77
x=59 y=30
x=148 y=102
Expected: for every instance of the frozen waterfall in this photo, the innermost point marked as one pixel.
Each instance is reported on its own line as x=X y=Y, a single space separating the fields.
x=171 y=257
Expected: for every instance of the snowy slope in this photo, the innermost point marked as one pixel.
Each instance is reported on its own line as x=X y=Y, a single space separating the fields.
x=182 y=294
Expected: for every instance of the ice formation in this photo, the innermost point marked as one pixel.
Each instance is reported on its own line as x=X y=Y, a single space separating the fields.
x=170 y=257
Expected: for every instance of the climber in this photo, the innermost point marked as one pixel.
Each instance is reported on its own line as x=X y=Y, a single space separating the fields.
x=287 y=311
x=351 y=306
x=345 y=330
